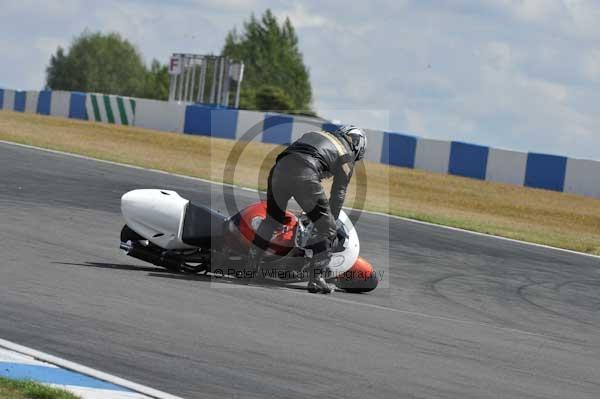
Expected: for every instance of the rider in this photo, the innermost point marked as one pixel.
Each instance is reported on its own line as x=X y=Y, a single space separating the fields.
x=298 y=173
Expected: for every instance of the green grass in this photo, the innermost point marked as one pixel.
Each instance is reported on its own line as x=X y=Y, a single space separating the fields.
x=25 y=389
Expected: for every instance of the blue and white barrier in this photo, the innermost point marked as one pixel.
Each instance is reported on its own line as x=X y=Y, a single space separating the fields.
x=20 y=100
x=543 y=171
x=59 y=103
x=398 y=149
x=432 y=155
x=582 y=177
x=160 y=115
x=247 y=120
x=505 y=166
x=8 y=99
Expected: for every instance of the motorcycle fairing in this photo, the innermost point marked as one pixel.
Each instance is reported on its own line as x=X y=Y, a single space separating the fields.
x=202 y=227
x=173 y=223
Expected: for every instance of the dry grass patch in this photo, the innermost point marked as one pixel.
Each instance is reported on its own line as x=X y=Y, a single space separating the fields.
x=557 y=219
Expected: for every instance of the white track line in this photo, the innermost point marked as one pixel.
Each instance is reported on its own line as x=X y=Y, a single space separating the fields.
x=440 y=226
x=66 y=364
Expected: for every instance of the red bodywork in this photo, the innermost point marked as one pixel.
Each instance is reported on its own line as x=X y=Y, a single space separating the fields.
x=361 y=277
x=361 y=270
x=283 y=240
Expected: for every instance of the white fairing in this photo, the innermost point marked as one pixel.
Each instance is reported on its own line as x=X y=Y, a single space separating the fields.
x=157 y=215
x=343 y=261
x=340 y=261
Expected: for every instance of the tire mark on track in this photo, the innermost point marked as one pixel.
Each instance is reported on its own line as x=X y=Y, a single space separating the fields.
x=433 y=286
x=556 y=287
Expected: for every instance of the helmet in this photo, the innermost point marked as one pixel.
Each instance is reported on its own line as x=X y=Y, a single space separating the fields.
x=357 y=139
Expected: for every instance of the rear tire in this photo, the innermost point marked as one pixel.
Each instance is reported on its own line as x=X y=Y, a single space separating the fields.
x=129 y=235
x=148 y=253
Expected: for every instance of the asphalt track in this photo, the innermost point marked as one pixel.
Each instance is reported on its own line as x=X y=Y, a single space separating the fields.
x=463 y=316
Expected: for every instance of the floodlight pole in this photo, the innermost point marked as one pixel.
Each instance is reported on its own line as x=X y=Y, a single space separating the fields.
x=188 y=85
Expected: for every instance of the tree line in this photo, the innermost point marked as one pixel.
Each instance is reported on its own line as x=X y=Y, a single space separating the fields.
x=275 y=76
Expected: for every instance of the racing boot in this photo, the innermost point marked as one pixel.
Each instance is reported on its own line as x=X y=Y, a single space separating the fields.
x=255 y=256
x=316 y=282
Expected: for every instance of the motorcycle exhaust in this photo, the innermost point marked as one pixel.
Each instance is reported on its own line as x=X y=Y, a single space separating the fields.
x=147 y=255
x=125 y=246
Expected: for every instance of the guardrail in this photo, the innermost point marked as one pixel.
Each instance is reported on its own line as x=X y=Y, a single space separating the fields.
x=543 y=171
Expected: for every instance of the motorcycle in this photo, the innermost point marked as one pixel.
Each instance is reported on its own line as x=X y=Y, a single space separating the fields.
x=169 y=231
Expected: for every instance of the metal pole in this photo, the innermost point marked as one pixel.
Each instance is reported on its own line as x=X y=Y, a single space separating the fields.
x=226 y=83
x=213 y=86
x=172 y=85
x=220 y=90
x=178 y=86
x=181 y=85
x=186 y=80
x=193 y=80
x=200 y=98
x=239 y=85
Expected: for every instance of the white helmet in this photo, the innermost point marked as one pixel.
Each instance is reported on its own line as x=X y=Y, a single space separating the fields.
x=357 y=139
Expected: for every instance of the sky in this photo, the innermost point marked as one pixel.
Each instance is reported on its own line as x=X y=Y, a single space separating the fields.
x=514 y=74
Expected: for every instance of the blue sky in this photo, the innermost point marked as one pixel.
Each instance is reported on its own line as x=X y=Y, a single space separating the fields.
x=516 y=74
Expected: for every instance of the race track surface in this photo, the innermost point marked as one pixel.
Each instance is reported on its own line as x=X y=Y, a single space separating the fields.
x=463 y=316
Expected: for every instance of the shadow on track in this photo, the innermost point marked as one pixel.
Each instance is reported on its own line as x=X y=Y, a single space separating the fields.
x=209 y=278
x=114 y=266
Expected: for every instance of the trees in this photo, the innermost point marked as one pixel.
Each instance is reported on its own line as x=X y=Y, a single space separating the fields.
x=157 y=82
x=275 y=77
x=106 y=64
x=272 y=58
x=272 y=98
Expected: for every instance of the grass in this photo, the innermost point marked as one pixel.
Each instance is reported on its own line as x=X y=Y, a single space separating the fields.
x=546 y=217
x=23 y=389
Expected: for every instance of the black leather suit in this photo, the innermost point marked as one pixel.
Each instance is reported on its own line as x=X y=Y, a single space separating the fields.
x=297 y=173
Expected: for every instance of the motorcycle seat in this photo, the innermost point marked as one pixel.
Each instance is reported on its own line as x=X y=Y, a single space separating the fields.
x=202 y=226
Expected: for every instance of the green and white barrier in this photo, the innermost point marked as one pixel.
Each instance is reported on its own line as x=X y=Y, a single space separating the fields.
x=110 y=109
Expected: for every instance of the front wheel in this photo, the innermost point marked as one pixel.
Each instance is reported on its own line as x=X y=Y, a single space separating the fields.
x=357 y=286
x=361 y=277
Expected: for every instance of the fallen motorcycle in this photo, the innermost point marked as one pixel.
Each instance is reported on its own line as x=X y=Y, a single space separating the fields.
x=169 y=231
